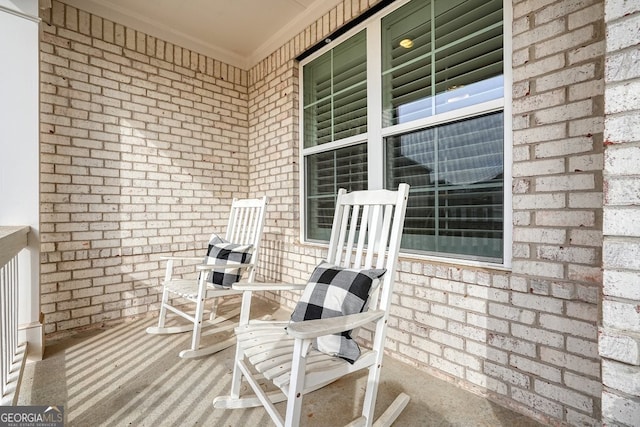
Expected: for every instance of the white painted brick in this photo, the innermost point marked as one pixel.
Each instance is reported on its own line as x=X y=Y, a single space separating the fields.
x=538 y=102
x=563 y=148
x=623 y=33
x=446 y=366
x=622 y=284
x=564 y=113
x=622 y=97
x=569 y=254
x=571 y=362
x=462 y=358
x=622 y=128
x=538 y=369
x=448 y=312
x=619 y=409
x=539 y=201
x=508 y=375
x=537 y=335
x=590 y=162
x=538 y=303
x=584 y=273
x=568 y=326
x=540 y=269
x=622 y=160
x=615 y=9
x=621 y=377
x=511 y=344
x=586 y=16
x=467 y=303
x=539 y=134
x=561 y=394
x=620 y=254
x=622 y=222
x=512 y=313
x=581 y=310
x=538 y=167
x=533 y=400
x=582 y=200
x=623 y=348
x=573 y=39
x=579 y=181
x=539 y=67
x=582 y=347
x=565 y=218
x=447 y=339
x=620 y=315
x=487 y=382
x=623 y=191
x=539 y=235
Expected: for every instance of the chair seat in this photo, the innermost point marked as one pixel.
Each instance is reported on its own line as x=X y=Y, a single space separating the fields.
x=269 y=350
x=189 y=289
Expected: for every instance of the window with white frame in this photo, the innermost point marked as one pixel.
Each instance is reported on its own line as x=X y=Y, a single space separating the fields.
x=413 y=95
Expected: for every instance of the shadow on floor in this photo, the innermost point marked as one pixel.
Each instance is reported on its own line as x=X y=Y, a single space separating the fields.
x=120 y=376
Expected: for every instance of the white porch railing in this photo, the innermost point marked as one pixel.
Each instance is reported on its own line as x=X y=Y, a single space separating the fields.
x=12 y=353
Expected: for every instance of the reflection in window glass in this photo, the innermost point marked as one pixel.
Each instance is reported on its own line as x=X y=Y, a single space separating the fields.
x=335 y=93
x=440 y=56
x=456 y=177
x=327 y=173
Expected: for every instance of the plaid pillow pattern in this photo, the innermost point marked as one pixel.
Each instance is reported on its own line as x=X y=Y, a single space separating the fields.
x=223 y=252
x=335 y=291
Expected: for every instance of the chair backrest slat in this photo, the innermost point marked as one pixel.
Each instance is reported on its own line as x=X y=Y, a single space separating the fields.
x=246 y=221
x=370 y=222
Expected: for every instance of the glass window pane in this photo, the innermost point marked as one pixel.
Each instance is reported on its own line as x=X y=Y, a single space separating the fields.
x=406 y=63
x=456 y=177
x=435 y=65
x=327 y=172
x=335 y=93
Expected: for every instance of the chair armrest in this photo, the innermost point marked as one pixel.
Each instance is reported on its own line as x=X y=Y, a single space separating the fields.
x=209 y=267
x=333 y=325
x=258 y=286
x=181 y=258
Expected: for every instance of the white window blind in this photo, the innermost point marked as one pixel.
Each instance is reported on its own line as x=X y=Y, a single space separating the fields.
x=437 y=83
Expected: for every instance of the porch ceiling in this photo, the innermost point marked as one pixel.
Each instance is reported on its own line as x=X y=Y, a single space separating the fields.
x=238 y=32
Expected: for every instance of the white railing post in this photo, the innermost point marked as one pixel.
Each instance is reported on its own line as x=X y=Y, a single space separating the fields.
x=12 y=353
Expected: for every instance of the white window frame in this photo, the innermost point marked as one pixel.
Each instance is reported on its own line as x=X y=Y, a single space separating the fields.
x=374 y=137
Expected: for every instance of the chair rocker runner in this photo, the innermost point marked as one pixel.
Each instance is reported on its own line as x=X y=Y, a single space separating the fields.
x=352 y=288
x=224 y=264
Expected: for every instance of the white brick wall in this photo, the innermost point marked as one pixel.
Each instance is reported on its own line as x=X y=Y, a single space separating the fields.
x=619 y=345
x=144 y=143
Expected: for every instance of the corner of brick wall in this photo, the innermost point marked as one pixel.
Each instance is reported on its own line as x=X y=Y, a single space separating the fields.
x=143 y=145
x=620 y=332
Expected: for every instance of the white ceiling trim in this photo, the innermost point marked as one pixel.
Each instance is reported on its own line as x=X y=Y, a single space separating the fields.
x=316 y=10
x=138 y=22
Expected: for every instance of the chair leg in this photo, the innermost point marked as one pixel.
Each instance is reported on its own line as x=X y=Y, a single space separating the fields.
x=197 y=324
x=236 y=378
x=296 y=384
x=163 y=309
x=369 y=404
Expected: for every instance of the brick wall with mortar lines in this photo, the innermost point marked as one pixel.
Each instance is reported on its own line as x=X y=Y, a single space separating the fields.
x=527 y=337
x=143 y=145
x=620 y=334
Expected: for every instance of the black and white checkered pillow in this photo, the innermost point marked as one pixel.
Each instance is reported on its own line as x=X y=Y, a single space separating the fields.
x=223 y=252
x=334 y=291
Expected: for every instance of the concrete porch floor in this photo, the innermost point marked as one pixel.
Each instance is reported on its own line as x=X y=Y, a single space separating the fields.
x=120 y=376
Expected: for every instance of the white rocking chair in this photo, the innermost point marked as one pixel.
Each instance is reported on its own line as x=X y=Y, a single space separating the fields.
x=244 y=230
x=366 y=233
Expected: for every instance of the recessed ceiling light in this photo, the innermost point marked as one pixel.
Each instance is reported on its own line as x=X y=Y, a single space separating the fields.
x=406 y=43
